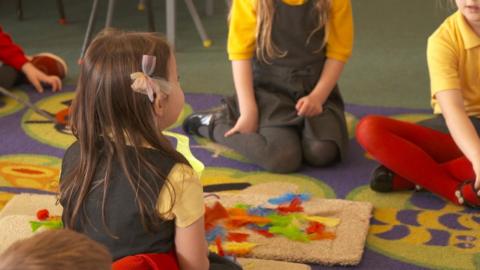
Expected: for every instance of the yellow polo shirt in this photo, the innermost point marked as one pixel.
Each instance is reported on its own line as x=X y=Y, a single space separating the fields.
x=188 y=203
x=243 y=23
x=453 y=56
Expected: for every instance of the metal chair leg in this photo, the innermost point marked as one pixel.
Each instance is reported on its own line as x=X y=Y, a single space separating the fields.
x=209 y=7
x=150 y=18
x=207 y=42
x=61 y=12
x=19 y=10
x=110 y=9
x=171 y=21
x=88 y=33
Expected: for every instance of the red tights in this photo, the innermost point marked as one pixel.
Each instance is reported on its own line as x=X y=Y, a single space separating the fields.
x=416 y=154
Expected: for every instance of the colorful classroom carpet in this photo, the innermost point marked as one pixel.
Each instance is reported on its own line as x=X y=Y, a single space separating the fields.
x=409 y=230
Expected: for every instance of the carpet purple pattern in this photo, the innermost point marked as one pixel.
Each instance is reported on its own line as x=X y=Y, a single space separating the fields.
x=403 y=225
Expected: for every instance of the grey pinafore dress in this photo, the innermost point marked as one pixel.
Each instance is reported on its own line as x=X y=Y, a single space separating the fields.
x=280 y=83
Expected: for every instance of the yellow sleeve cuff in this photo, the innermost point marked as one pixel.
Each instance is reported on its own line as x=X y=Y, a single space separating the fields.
x=240 y=56
x=338 y=56
x=445 y=85
x=241 y=41
x=442 y=64
x=340 y=31
x=188 y=204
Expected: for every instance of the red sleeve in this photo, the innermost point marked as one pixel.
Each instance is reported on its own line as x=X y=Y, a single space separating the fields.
x=10 y=53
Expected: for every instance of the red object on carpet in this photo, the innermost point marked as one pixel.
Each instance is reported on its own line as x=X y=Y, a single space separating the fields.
x=154 y=261
x=214 y=213
x=42 y=214
x=294 y=206
x=50 y=64
x=237 y=237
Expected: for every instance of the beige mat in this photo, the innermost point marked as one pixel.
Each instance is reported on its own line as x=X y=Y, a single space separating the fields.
x=257 y=264
x=29 y=204
x=346 y=249
x=15 y=217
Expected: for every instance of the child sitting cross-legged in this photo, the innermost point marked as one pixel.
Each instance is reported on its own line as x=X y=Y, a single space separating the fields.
x=441 y=154
x=122 y=183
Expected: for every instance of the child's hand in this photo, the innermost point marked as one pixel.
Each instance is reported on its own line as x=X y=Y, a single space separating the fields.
x=309 y=106
x=37 y=77
x=246 y=123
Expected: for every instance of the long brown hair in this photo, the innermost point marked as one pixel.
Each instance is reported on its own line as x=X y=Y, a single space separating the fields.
x=106 y=111
x=266 y=49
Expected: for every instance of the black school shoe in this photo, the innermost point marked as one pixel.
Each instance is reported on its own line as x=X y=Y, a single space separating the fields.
x=382 y=179
x=191 y=124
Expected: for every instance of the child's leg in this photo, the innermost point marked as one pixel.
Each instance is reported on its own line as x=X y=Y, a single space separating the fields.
x=8 y=76
x=275 y=149
x=414 y=152
x=460 y=168
x=320 y=153
x=325 y=136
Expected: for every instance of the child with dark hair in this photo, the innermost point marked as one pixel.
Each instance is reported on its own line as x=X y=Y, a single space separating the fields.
x=56 y=250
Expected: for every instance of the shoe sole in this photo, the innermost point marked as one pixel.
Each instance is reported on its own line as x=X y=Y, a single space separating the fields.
x=60 y=60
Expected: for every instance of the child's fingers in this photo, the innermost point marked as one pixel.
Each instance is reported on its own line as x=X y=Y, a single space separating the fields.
x=53 y=83
x=299 y=105
x=303 y=111
x=37 y=85
x=231 y=132
x=58 y=83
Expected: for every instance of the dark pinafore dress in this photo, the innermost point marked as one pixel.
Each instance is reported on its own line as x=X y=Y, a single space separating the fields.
x=282 y=82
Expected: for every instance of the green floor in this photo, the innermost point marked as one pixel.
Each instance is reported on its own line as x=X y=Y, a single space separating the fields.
x=388 y=66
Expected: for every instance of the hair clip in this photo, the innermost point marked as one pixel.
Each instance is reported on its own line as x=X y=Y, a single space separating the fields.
x=143 y=83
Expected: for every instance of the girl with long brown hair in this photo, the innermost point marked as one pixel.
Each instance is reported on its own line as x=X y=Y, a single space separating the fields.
x=122 y=183
x=287 y=56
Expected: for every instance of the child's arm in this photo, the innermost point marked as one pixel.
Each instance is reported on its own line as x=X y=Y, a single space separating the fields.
x=243 y=80
x=461 y=128
x=188 y=210
x=12 y=55
x=191 y=246
x=339 y=45
x=313 y=103
x=241 y=50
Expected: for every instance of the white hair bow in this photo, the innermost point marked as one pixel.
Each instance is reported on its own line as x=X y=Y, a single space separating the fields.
x=143 y=83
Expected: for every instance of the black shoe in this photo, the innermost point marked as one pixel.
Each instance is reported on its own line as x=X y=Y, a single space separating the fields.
x=382 y=179
x=191 y=124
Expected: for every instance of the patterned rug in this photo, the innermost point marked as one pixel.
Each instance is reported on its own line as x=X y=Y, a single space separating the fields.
x=409 y=230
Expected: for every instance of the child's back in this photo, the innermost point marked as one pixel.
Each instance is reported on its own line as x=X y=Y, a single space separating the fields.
x=122 y=182
x=122 y=216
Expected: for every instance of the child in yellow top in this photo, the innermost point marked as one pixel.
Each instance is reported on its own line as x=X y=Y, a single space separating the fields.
x=122 y=183
x=448 y=162
x=287 y=56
